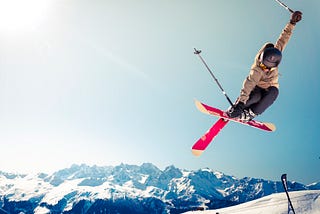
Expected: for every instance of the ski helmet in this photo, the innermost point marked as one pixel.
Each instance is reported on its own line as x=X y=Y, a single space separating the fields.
x=271 y=57
x=269 y=45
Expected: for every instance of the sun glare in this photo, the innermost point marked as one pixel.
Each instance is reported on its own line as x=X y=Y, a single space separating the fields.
x=22 y=15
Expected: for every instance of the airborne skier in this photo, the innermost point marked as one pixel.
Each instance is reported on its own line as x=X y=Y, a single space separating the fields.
x=261 y=87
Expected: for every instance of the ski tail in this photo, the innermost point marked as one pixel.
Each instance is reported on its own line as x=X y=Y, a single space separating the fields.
x=201 y=107
x=271 y=126
x=205 y=140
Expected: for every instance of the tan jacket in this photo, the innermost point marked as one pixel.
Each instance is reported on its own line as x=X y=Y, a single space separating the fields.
x=258 y=77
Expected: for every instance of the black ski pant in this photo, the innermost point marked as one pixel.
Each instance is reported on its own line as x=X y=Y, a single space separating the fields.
x=260 y=99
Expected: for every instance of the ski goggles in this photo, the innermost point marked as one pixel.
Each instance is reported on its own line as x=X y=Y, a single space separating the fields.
x=263 y=66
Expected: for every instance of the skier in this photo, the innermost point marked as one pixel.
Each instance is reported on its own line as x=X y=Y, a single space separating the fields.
x=261 y=87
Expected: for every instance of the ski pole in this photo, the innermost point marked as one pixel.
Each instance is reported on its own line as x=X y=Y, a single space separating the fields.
x=215 y=79
x=285 y=6
x=285 y=186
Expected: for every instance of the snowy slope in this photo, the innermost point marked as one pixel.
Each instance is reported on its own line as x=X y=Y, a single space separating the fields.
x=304 y=202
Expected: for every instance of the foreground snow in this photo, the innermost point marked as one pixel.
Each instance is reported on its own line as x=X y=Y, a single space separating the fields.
x=304 y=202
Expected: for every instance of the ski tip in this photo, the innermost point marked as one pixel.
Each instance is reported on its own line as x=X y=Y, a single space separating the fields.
x=271 y=126
x=200 y=106
x=196 y=152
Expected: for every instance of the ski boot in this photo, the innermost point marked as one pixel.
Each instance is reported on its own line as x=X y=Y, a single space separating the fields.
x=247 y=115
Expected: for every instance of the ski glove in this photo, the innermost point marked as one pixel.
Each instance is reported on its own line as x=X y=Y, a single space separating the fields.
x=295 y=17
x=236 y=110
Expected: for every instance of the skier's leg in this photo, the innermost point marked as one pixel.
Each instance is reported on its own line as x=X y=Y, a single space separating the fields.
x=268 y=97
x=255 y=97
x=247 y=114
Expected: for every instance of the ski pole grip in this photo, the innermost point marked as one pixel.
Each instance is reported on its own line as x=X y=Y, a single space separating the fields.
x=197 y=51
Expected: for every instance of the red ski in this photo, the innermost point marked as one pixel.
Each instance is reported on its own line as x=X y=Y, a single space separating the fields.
x=219 y=113
x=206 y=139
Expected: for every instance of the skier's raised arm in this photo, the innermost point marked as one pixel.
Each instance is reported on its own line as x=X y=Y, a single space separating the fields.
x=287 y=31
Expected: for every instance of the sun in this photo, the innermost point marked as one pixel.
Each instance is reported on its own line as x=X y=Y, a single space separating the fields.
x=22 y=15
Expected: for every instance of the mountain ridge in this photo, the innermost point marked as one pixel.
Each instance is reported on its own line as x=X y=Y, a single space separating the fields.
x=143 y=187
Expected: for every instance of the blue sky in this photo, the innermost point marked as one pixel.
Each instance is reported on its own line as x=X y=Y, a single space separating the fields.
x=110 y=82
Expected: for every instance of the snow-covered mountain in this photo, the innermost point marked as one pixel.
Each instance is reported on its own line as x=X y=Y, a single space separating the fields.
x=130 y=189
